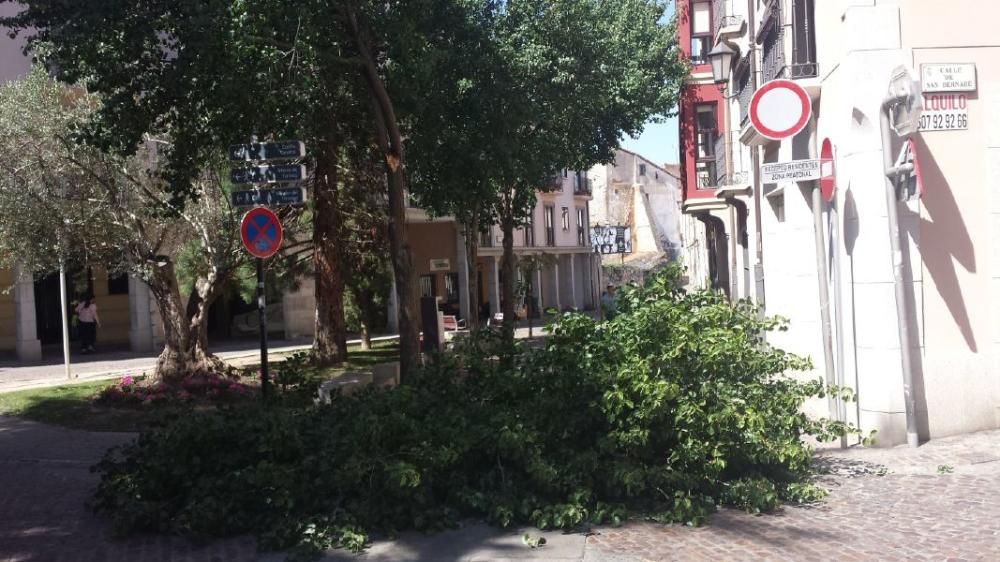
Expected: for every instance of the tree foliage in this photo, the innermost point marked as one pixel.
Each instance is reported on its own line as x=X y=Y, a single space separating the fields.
x=673 y=408
x=554 y=85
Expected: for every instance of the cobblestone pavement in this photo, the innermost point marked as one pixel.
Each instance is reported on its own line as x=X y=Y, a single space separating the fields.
x=938 y=502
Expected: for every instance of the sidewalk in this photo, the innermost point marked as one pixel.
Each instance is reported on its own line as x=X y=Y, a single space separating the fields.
x=51 y=372
x=15 y=375
x=916 y=510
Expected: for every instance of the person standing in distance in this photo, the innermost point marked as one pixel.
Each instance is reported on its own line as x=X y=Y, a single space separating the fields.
x=86 y=313
x=608 y=303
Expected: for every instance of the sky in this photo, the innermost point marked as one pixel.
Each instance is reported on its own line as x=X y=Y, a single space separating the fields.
x=658 y=142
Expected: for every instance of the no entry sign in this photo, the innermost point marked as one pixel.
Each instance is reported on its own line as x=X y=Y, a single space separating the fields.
x=828 y=176
x=780 y=109
x=261 y=232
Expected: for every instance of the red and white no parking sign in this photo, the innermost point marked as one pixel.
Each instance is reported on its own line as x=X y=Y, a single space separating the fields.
x=780 y=109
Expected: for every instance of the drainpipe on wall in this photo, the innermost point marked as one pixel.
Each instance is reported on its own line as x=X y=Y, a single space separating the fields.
x=755 y=163
x=902 y=305
x=734 y=277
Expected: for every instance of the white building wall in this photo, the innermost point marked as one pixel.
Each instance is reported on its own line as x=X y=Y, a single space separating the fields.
x=951 y=236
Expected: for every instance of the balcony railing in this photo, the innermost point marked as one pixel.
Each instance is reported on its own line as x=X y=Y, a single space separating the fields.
x=773 y=52
x=706 y=175
x=721 y=170
x=722 y=16
x=744 y=87
x=775 y=63
x=728 y=171
x=582 y=185
x=555 y=183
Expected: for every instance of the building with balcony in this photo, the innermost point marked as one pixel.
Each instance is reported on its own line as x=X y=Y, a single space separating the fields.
x=843 y=54
x=714 y=171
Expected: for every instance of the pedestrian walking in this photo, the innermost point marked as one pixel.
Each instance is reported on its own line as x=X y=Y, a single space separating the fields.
x=88 y=321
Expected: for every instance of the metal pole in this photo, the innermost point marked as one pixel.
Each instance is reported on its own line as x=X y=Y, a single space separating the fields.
x=824 y=300
x=755 y=164
x=262 y=309
x=63 y=297
x=600 y=304
x=902 y=306
x=65 y=316
x=838 y=306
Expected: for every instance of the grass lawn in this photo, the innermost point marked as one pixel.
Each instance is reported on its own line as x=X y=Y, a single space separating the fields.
x=72 y=405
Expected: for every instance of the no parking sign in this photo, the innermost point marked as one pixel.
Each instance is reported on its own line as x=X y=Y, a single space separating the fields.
x=261 y=232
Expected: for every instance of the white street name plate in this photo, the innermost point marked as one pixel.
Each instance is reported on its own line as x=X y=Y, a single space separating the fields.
x=797 y=170
x=954 y=77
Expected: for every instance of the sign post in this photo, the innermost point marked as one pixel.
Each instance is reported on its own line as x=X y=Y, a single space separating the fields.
x=261 y=230
x=262 y=234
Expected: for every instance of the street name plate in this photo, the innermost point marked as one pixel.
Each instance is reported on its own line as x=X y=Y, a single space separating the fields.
x=268 y=174
x=952 y=77
x=281 y=150
x=284 y=196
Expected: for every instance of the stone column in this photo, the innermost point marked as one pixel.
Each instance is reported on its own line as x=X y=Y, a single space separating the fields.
x=140 y=316
x=495 y=286
x=555 y=272
x=27 y=344
x=572 y=277
x=539 y=290
x=463 y=273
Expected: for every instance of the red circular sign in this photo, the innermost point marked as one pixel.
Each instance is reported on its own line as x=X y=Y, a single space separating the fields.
x=780 y=109
x=827 y=172
x=261 y=232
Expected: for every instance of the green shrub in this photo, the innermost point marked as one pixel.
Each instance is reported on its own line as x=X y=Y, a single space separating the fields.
x=673 y=408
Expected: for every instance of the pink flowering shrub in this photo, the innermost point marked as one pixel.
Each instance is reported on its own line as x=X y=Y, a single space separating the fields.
x=211 y=388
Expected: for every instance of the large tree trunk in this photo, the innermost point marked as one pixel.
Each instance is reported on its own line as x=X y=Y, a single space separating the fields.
x=330 y=343
x=403 y=271
x=508 y=265
x=390 y=141
x=185 y=342
x=472 y=256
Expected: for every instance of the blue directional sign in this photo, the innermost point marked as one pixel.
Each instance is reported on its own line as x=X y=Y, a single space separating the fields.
x=282 y=150
x=284 y=196
x=268 y=174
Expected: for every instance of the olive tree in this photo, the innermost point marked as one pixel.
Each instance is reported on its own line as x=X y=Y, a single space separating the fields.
x=60 y=197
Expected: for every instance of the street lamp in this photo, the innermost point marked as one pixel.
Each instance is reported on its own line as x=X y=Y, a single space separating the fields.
x=721 y=58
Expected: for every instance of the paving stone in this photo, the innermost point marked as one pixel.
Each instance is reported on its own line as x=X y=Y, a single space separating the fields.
x=911 y=512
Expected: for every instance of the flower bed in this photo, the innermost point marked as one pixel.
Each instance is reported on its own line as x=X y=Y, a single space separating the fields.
x=132 y=391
